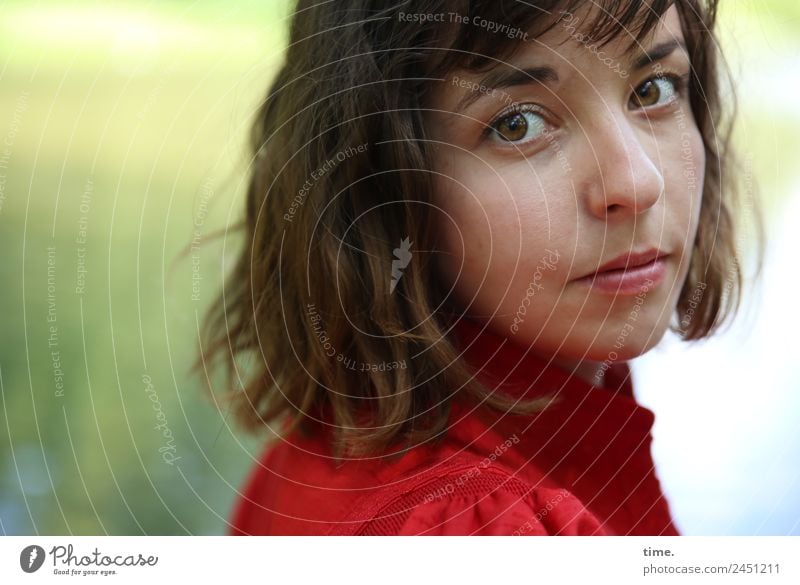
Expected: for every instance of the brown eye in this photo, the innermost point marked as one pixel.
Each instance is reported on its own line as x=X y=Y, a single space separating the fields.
x=518 y=126
x=653 y=92
x=513 y=128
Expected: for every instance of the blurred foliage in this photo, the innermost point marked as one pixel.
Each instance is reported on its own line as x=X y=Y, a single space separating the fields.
x=127 y=121
x=127 y=124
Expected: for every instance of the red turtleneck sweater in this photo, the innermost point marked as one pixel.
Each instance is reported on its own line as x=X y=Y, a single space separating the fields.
x=582 y=466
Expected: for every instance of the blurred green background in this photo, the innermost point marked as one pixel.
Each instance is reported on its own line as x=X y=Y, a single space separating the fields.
x=122 y=138
x=127 y=125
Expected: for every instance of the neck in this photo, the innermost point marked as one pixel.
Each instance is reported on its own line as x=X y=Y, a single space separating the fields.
x=589 y=371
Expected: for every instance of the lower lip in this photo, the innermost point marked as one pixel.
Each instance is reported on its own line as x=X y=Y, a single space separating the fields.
x=630 y=281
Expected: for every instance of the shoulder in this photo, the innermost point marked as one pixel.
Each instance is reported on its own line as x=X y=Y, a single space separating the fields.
x=482 y=501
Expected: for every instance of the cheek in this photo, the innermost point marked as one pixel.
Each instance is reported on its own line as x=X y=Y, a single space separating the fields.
x=688 y=175
x=493 y=223
x=687 y=160
x=473 y=229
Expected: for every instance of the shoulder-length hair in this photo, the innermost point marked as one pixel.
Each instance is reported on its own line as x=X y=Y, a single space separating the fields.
x=341 y=179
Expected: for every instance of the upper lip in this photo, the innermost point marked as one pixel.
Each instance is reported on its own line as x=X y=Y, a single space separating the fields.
x=630 y=259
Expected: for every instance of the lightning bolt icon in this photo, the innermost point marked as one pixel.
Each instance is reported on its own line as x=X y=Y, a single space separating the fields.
x=33 y=556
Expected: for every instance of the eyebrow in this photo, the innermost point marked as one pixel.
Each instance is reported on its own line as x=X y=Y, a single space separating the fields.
x=499 y=79
x=543 y=75
x=658 y=52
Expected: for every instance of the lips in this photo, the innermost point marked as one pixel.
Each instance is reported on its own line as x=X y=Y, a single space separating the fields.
x=628 y=274
x=630 y=260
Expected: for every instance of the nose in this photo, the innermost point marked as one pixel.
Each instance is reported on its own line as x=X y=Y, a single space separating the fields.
x=622 y=180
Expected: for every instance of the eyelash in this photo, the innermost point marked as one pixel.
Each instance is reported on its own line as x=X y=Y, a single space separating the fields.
x=679 y=82
x=513 y=110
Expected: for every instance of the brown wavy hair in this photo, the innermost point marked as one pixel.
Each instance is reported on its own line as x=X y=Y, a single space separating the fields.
x=341 y=175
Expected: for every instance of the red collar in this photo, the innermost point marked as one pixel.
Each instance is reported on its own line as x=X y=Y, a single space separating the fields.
x=501 y=364
x=594 y=441
x=522 y=373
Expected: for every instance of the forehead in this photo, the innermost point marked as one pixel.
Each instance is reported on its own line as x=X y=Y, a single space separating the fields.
x=480 y=30
x=574 y=39
x=585 y=26
x=570 y=47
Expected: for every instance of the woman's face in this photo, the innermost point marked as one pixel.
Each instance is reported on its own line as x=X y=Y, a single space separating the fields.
x=543 y=177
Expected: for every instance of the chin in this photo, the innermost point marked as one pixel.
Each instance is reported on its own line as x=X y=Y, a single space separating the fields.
x=613 y=344
x=621 y=349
